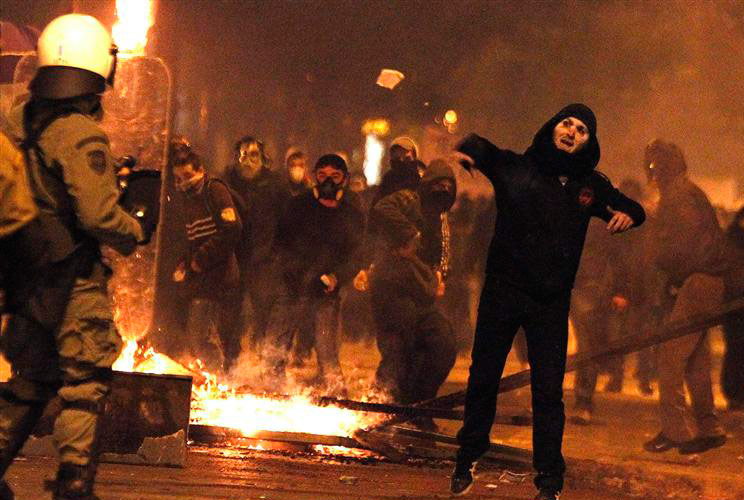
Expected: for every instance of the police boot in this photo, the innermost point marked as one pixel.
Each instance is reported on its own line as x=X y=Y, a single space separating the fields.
x=74 y=482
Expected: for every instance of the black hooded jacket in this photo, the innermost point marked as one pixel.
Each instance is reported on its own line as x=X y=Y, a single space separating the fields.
x=544 y=199
x=404 y=213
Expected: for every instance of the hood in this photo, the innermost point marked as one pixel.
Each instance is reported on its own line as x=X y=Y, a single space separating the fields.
x=437 y=169
x=553 y=161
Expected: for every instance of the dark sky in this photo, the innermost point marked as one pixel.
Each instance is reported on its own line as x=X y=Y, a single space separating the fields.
x=303 y=71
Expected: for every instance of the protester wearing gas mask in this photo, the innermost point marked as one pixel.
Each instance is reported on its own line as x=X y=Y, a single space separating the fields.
x=314 y=251
x=265 y=193
x=208 y=273
x=415 y=340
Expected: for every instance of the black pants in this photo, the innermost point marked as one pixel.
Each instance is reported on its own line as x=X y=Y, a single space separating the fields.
x=502 y=310
x=732 y=373
x=417 y=348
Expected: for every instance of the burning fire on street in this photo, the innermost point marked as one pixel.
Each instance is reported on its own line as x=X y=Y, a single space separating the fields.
x=215 y=403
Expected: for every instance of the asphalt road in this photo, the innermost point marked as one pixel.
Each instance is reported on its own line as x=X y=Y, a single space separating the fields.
x=213 y=474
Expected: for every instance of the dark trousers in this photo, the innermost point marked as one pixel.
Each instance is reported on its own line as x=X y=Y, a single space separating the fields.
x=417 y=349
x=502 y=310
x=732 y=373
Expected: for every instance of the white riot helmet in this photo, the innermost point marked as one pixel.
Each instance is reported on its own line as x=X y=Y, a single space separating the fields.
x=76 y=57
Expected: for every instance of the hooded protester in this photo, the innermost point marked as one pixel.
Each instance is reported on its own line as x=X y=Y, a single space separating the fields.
x=265 y=194
x=545 y=198
x=314 y=251
x=415 y=340
x=691 y=251
x=405 y=168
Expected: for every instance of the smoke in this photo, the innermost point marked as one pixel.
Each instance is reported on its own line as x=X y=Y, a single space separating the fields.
x=648 y=69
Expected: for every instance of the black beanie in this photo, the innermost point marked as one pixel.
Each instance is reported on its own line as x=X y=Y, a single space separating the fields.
x=331 y=160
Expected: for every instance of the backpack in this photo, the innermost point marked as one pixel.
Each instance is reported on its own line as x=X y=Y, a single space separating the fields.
x=243 y=248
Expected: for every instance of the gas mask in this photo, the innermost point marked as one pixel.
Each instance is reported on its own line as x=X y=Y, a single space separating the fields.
x=250 y=159
x=329 y=190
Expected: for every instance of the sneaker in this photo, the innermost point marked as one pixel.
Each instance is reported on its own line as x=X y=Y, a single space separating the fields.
x=660 y=444
x=548 y=494
x=462 y=478
x=701 y=444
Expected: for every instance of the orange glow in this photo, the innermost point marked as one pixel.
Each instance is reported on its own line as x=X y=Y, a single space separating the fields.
x=135 y=17
x=216 y=403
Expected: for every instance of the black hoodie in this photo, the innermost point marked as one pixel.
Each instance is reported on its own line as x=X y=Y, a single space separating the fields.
x=544 y=200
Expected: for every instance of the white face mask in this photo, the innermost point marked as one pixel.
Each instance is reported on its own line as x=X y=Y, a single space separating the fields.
x=296 y=174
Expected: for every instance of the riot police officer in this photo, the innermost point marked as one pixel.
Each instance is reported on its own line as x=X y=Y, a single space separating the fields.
x=61 y=338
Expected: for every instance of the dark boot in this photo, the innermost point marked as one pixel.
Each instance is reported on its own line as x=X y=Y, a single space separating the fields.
x=5 y=492
x=74 y=482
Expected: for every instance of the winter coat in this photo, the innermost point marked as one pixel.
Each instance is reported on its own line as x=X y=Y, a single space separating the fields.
x=265 y=195
x=312 y=240
x=213 y=229
x=689 y=239
x=545 y=198
x=404 y=214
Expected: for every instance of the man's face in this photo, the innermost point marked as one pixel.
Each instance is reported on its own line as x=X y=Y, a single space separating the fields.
x=443 y=185
x=570 y=135
x=250 y=156
x=328 y=172
x=399 y=153
x=186 y=177
x=296 y=170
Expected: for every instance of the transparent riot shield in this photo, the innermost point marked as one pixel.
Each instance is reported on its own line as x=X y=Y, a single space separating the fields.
x=137 y=121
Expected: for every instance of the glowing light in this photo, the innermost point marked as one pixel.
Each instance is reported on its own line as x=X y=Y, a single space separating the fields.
x=135 y=17
x=450 y=117
x=373 y=153
x=378 y=126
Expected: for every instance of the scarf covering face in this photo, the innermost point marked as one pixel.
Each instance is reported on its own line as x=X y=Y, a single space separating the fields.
x=553 y=161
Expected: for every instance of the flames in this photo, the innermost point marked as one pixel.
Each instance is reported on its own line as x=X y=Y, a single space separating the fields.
x=216 y=403
x=135 y=17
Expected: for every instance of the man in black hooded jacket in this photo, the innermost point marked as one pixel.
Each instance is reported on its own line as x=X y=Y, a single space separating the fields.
x=545 y=198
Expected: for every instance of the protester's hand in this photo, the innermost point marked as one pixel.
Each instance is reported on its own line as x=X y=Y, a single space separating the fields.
x=330 y=281
x=619 y=303
x=195 y=266
x=179 y=275
x=361 y=281
x=440 y=285
x=466 y=161
x=620 y=221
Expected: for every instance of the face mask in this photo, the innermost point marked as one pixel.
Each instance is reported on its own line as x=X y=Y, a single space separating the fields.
x=441 y=201
x=329 y=190
x=296 y=174
x=192 y=185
